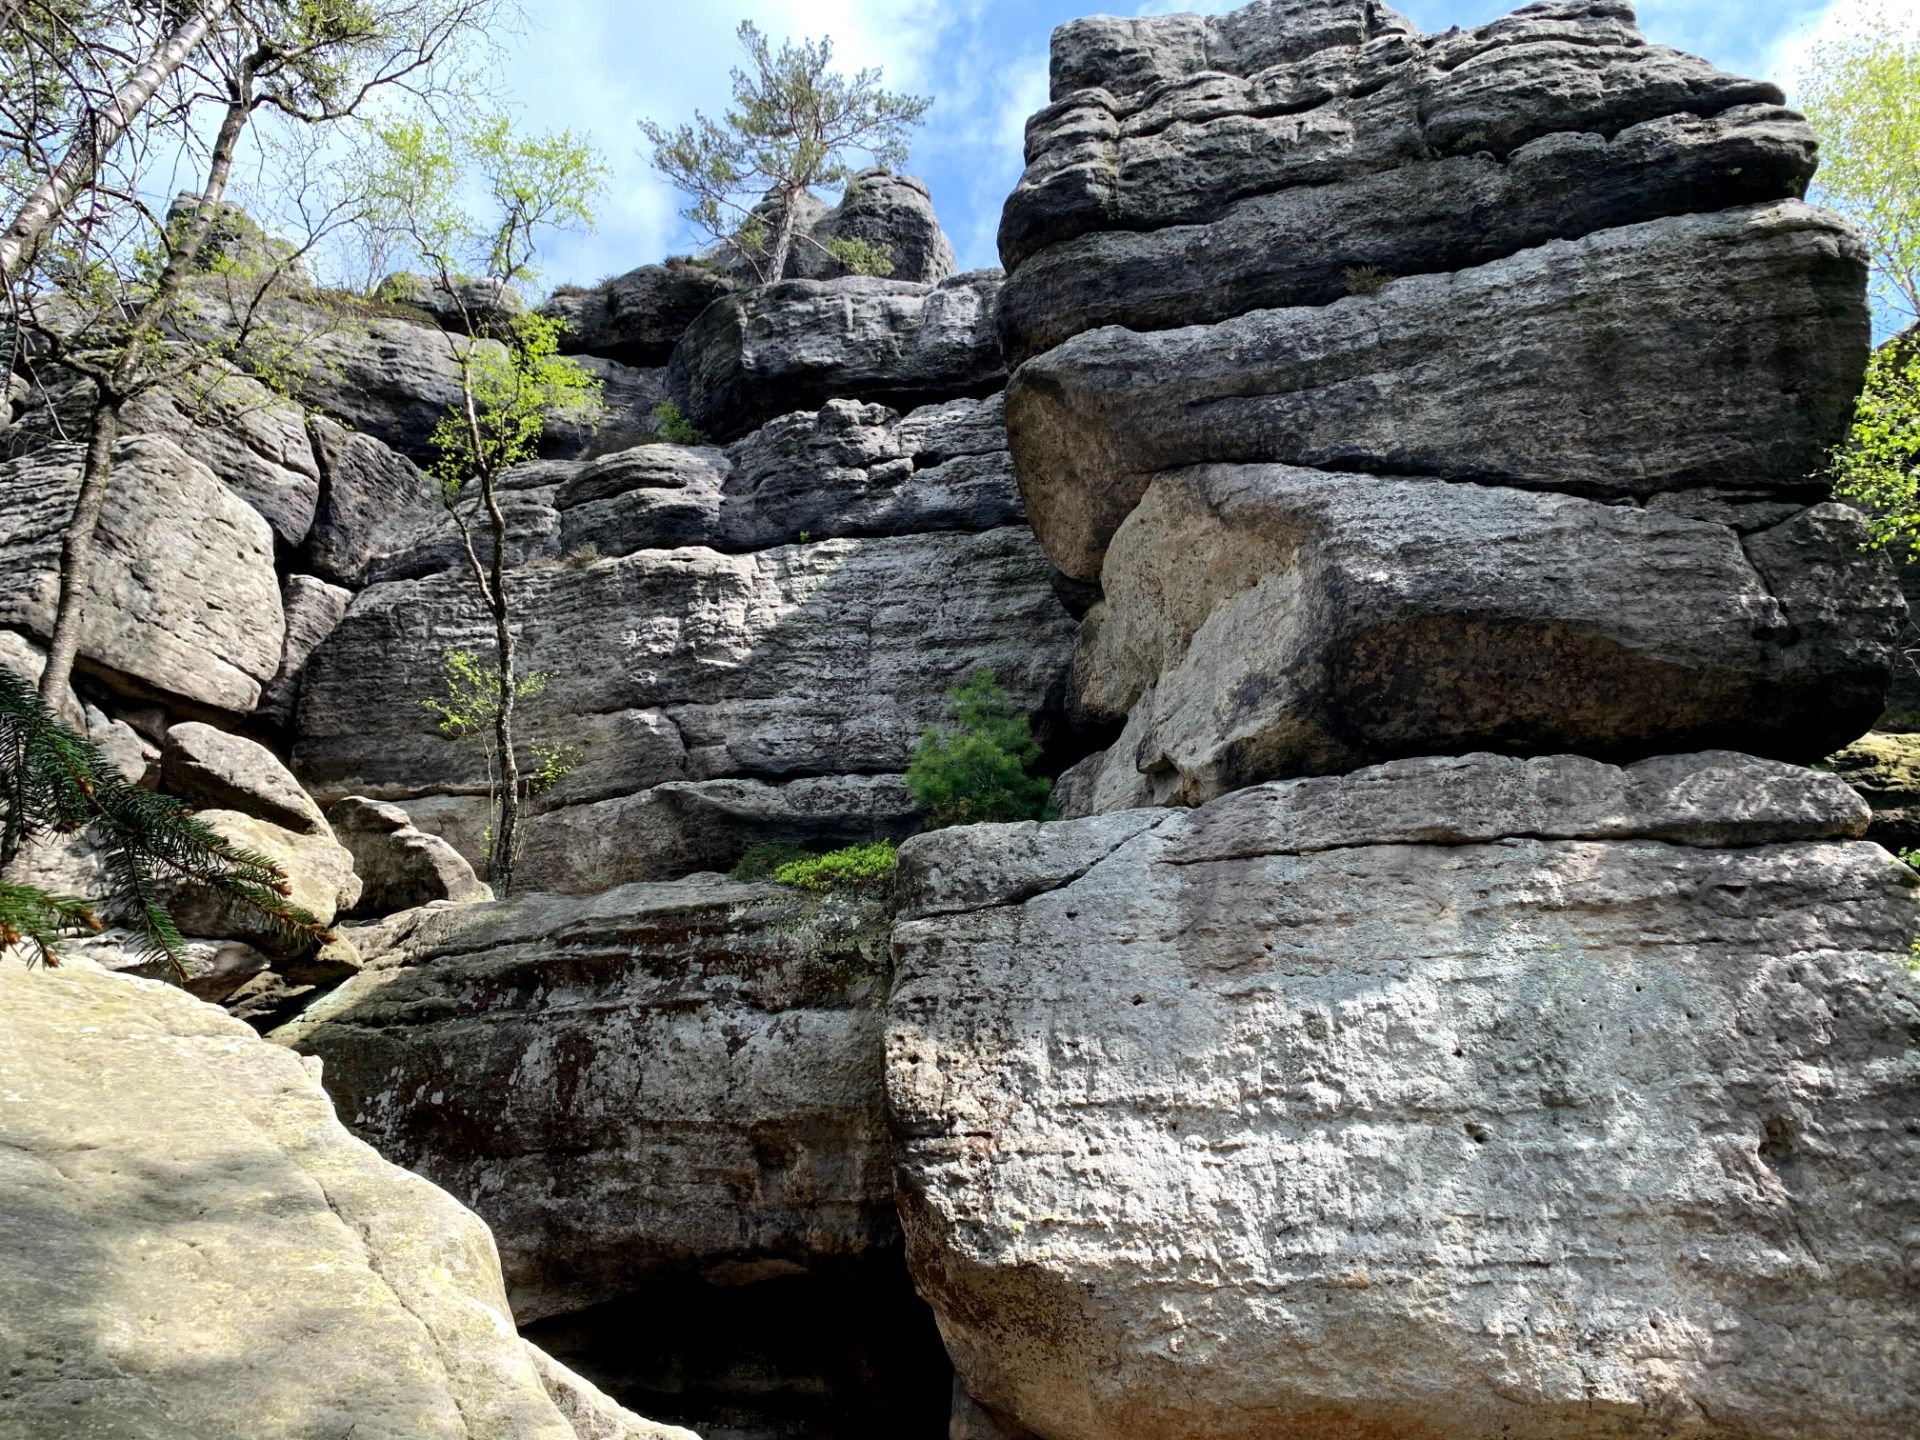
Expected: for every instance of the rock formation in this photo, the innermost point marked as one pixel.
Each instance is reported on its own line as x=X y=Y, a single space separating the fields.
x=191 y=1237
x=1451 y=1097
x=1402 y=396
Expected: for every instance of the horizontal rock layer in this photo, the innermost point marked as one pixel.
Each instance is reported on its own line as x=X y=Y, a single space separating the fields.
x=1704 y=350
x=1264 y=621
x=1430 y=1100
x=1196 y=128
x=767 y=351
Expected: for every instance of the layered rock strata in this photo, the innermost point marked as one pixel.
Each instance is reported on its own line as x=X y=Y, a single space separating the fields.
x=1452 y=1097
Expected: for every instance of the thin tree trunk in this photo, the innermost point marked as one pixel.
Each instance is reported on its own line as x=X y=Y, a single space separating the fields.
x=782 y=239
x=98 y=134
x=76 y=551
x=506 y=842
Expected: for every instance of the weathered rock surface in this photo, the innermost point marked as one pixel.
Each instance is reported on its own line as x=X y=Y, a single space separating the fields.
x=1436 y=1099
x=195 y=1249
x=1265 y=621
x=1885 y=769
x=372 y=500
x=400 y=867
x=217 y=770
x=483 y=306
x=765 y=352
x=666 y=1101
x=319 y=871
x=822 y=659
x=312 y=608
x=627 y=1033
x=182 y=598
x=1618 y=365
x=1301 y=246
x=893 y=213
x=1161 y=122
x=847 y=470
x=637 y=318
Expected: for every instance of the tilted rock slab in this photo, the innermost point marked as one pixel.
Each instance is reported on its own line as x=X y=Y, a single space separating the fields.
x=181 y=600
x=194 y=1249
x=1704 y=350
x=653 y=1080
x=1264 y=621
x=767 y=351
x=636 y=318
x=1440 y=1099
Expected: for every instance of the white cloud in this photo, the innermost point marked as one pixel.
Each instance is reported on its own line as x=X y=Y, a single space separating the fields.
x=1836 y=21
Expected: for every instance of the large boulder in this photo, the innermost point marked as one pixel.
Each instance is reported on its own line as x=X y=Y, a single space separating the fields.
x=400 y=866
x=666 y=1102
x=893 y=214
x=320 y=880
x=217 y=770
x=1264 y=621
x=194 y=1249
x=470 y=306
x=1453 y=1098
x=372 y=500
x=181 y=598
x=793 y=346
x=636 y=318
x=1721 y=349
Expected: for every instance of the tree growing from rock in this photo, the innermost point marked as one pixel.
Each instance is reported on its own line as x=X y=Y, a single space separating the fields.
x=115 y=316
x=977 y=772
x=54 y=782
x=510 y=387
x=796 y=123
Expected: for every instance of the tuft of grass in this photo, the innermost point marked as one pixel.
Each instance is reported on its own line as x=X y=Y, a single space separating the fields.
x=568 y=292
x=760 y=861
x=670 y=424
x=858 y=867
x=581 y=558
x=1365 y=279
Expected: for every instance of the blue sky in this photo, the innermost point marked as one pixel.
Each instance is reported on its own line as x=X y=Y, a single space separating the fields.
x=599 y=66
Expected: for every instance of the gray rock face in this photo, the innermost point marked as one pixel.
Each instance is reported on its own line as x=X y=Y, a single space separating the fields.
x=1300 y=246
x=1158 y=123
x=473 y=307
x=319 y=871
x=716 y=1027
x=803 y=661
x=182 y=598
x=848 y=470
x=1264 y=621
x=290 y=1282
x=637 y=318
x=1618 y=365
x=1442 y=1098
x=793 y=346
x=312 y=608
x=372 y=500
x=215 y=770
x=400 y=867
x=887 y=211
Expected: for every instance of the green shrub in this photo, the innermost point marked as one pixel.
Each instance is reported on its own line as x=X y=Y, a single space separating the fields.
x=858 y=867
x=1365 y=279
x=671 y=425
x=977 y=773
x=760 y=861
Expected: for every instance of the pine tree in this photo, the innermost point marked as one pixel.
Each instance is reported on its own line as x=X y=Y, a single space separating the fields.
x=56 y=782
x=977 y=773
